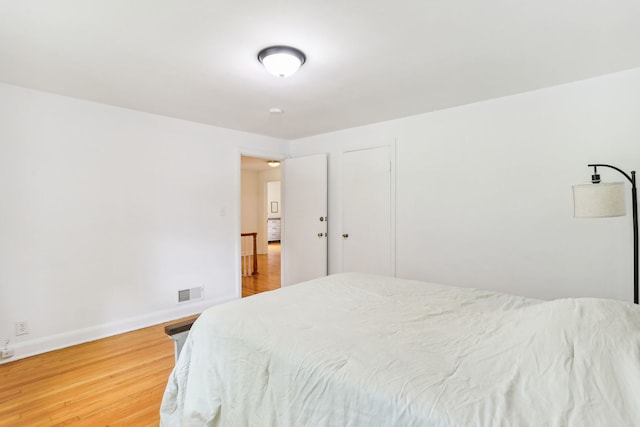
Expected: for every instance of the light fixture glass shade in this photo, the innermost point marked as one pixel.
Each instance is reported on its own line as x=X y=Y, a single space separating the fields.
x=281 y=61
x=281 y=64
x=599 y=200
x=273 y=163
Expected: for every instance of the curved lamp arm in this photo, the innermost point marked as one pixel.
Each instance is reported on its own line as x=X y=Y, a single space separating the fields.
x=632 y=178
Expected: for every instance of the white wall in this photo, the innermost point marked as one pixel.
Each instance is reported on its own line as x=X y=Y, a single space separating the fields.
x=273 y=196
x=107 y=212
x=250 y=195
x=264 y=178
x=484 y=191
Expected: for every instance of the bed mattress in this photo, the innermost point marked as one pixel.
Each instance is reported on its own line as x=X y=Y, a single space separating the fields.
x=363 y=350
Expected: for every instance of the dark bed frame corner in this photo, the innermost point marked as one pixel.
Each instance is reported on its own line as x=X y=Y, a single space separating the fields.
x=176 y=328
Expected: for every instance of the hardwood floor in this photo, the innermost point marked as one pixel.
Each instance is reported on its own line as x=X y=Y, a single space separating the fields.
x=114 y=381
x=268 y=277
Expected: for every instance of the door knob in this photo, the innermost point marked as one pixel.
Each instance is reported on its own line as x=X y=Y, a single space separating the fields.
x=323 y=218
x=346 y=236
x=320 y=234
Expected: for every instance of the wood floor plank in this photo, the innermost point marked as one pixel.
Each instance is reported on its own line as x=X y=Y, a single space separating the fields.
x=62 y=394
x=268 y=277
x=115 y=381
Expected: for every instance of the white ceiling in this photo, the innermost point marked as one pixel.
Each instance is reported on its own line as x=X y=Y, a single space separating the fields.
x=367 y=60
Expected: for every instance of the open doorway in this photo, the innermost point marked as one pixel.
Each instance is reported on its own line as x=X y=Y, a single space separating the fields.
x=260 y=225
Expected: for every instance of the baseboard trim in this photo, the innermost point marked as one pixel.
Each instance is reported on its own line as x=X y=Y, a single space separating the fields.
x=67 y=339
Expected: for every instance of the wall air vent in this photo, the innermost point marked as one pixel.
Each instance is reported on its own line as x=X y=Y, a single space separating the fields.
x=185 y=295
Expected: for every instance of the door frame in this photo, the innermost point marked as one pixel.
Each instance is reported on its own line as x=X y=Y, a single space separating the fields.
x=267 y=155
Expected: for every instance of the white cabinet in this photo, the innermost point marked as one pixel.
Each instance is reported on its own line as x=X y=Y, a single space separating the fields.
x=273 y=229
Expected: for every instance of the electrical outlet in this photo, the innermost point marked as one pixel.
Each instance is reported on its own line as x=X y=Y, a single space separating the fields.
x=22 y=327
x=6 y=352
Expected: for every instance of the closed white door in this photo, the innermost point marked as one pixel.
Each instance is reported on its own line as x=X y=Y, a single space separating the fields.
x=304 y=215
x=366 y=212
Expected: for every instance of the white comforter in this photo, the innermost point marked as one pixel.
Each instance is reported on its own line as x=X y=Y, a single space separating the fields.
x=361 y=350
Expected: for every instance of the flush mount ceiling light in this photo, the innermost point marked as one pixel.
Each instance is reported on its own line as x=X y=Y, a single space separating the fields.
x=281 y=61
x=273 y=163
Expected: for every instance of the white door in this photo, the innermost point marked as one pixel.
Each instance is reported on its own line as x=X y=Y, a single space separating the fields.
x=304 y=214
x=366 y=211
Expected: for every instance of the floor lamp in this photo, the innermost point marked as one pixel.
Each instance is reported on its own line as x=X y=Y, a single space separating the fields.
x=607 y=200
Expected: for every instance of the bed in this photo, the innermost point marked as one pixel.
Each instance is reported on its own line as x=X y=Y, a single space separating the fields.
x=363 y=350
